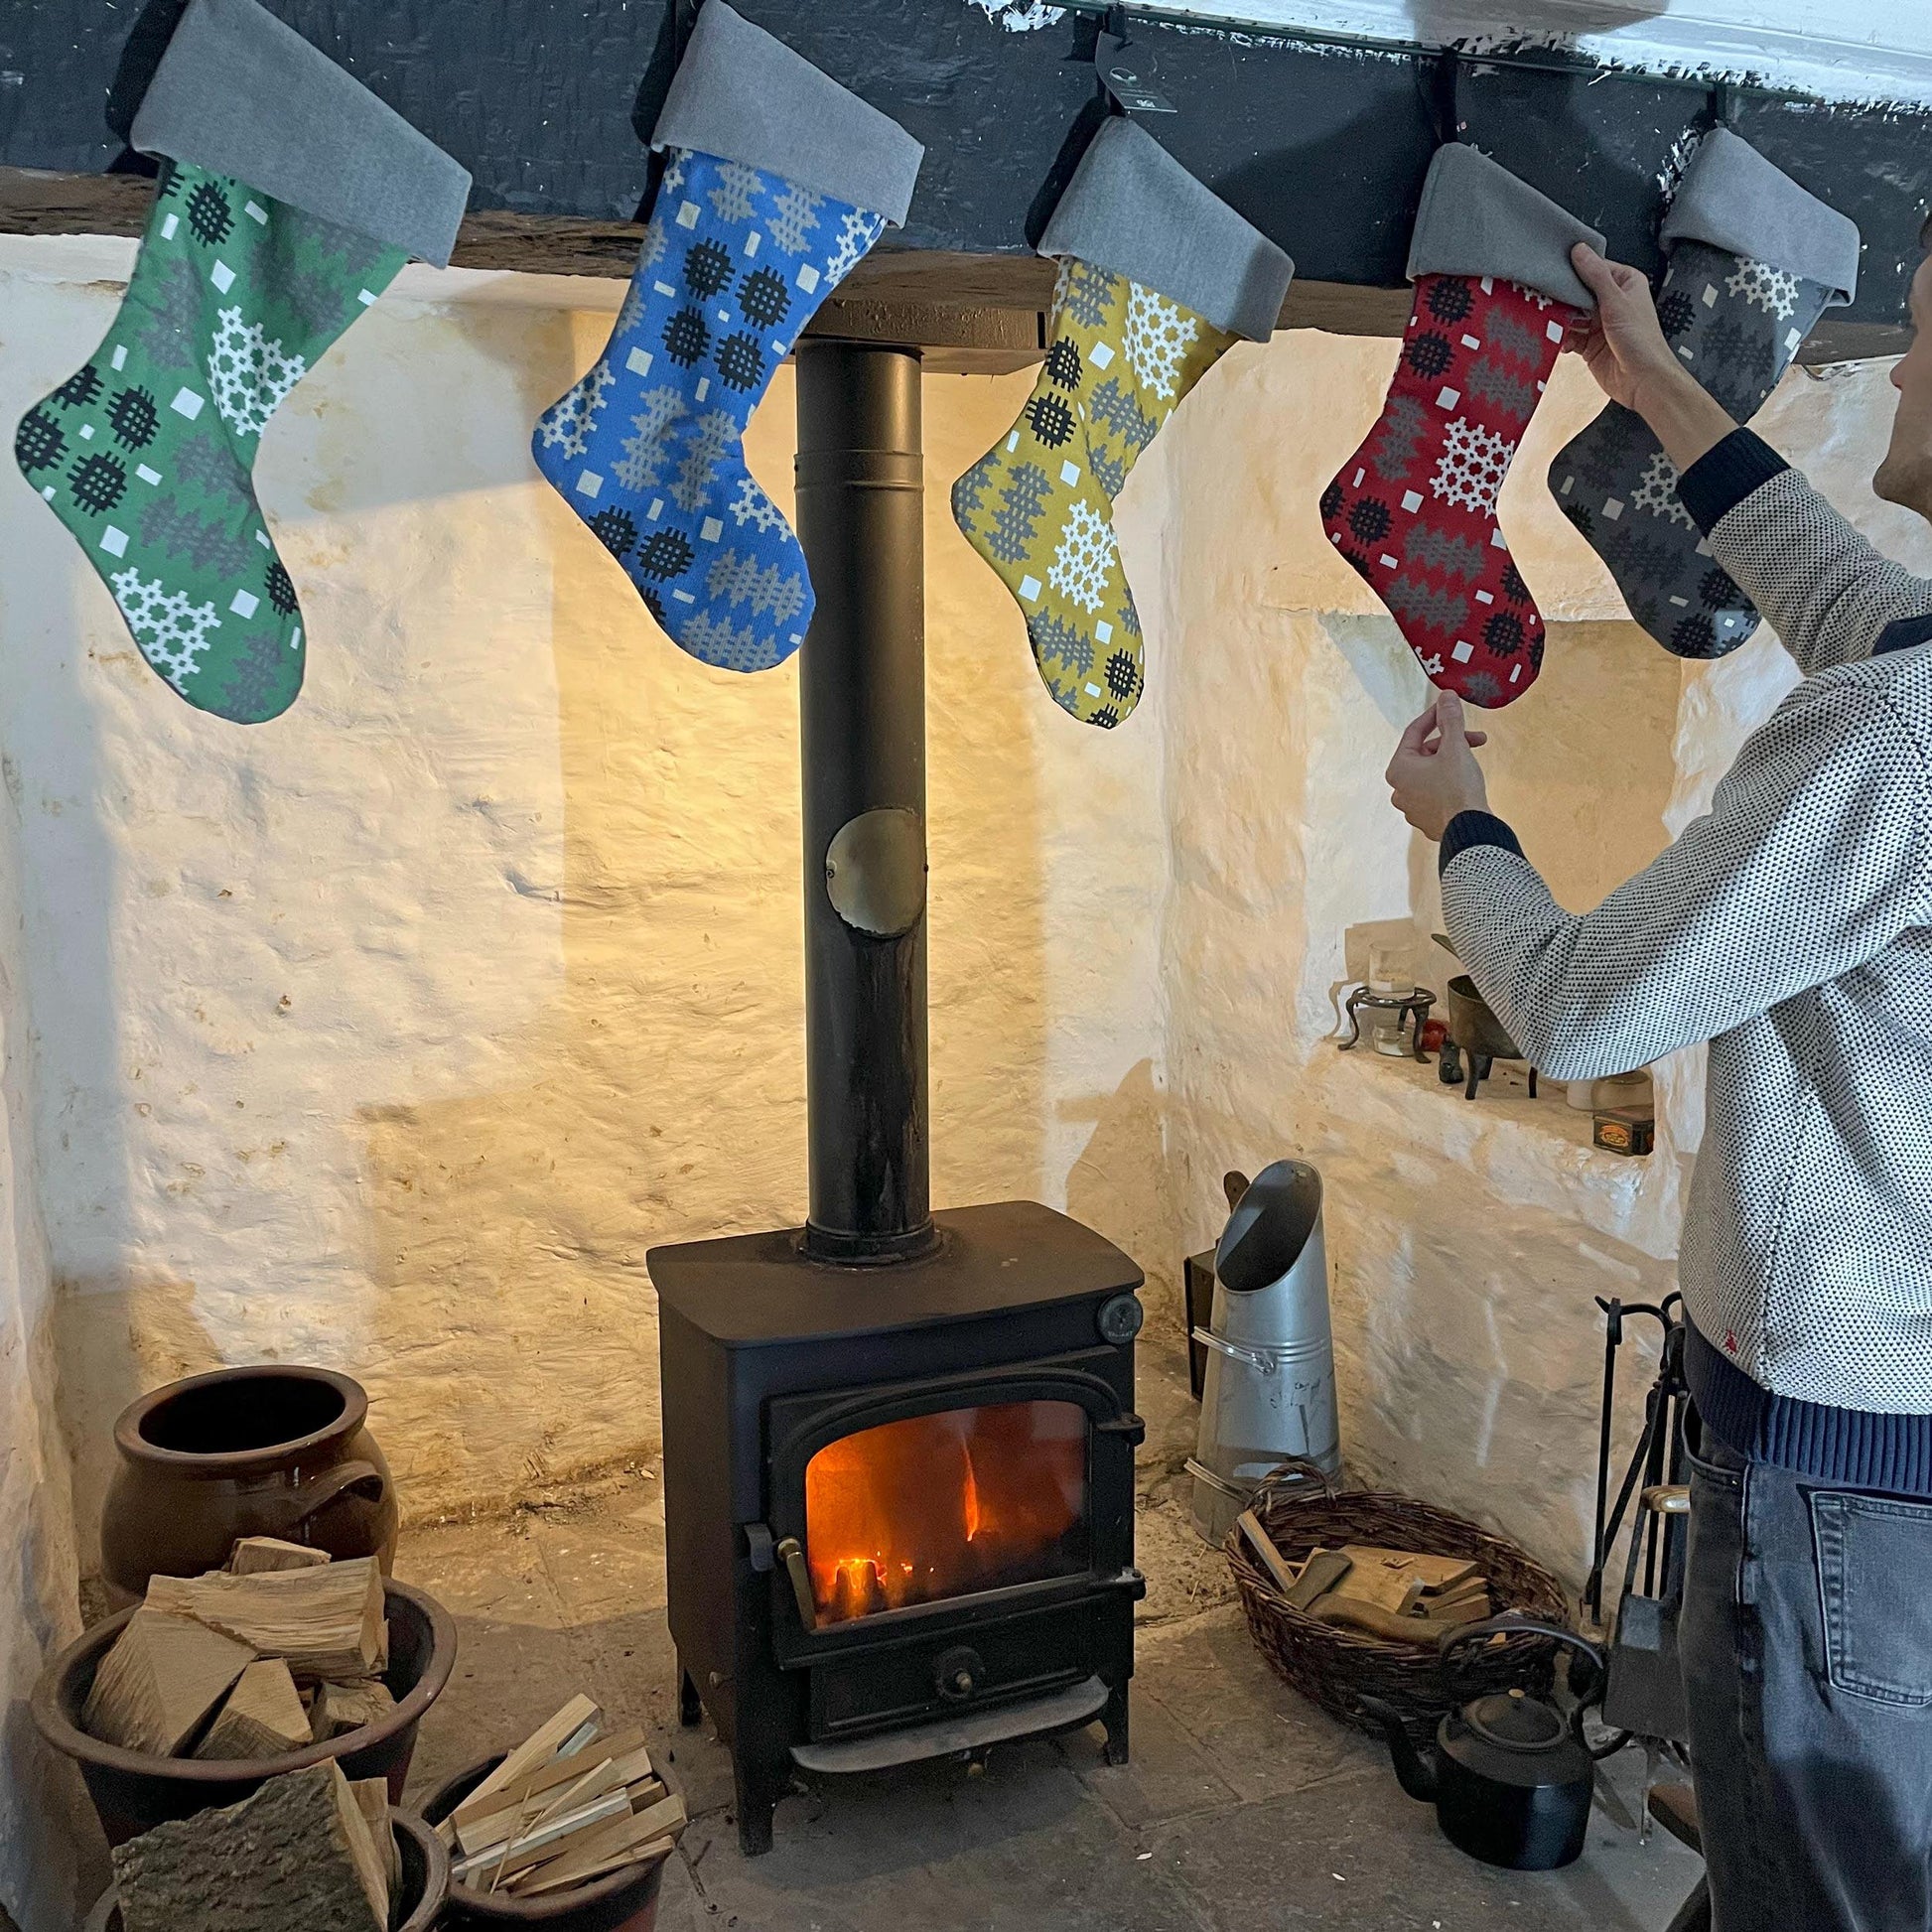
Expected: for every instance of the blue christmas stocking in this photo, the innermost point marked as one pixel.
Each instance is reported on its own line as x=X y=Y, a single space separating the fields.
x=747 y=236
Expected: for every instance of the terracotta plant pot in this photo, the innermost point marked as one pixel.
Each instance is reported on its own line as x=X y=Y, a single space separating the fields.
x=413 y=1907
x=624 y=1901
x=133 y=1792
x=243 y=1451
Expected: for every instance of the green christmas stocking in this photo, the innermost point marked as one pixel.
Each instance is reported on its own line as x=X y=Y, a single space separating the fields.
x=146 y=452
x=1158 y=280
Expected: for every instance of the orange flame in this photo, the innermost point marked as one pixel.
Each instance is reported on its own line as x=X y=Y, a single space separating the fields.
x=941 y=1506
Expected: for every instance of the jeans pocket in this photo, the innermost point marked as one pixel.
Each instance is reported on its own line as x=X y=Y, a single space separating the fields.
x=1875 y=1558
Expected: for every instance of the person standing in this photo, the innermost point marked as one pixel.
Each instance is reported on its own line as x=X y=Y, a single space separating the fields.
x=1791 y=928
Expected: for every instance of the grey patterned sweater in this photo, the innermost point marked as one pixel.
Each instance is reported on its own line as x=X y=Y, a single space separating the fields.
x=1791 y=927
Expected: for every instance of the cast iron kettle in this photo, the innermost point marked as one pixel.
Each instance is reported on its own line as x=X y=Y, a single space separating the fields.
x=1511 y=1775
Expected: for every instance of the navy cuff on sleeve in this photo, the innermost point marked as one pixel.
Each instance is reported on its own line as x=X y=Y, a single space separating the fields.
x=1719 y=479
x=1475 y=828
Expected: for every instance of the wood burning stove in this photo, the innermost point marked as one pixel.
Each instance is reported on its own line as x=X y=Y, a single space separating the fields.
x=898 y=1446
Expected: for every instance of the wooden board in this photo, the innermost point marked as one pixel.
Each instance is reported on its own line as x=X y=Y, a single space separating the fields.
x=164 y=1675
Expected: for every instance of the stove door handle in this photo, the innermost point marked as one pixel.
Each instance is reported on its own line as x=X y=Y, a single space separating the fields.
x=791 y=1553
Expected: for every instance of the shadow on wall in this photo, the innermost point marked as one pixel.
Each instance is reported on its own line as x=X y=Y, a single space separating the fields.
x=115 y=1340
x=1119 y=1185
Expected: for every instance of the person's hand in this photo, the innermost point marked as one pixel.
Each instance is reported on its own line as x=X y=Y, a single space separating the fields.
x=1624 y=348
x=1623 y=342
x=1434 y=773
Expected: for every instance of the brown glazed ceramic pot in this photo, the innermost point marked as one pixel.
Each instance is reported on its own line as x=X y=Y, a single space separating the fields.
x=243 y=1451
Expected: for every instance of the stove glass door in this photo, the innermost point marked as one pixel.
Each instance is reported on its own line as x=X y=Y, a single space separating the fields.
x=946 y=1504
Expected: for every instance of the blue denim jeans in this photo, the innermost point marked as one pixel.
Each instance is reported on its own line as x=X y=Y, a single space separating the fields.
x=1806 y=1638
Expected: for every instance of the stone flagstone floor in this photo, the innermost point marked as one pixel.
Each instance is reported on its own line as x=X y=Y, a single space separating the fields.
x=1243 y=1808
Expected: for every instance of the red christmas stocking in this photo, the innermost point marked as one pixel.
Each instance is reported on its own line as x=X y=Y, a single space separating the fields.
x=1414 y=509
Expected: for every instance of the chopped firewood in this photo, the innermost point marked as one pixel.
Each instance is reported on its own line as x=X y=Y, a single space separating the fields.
x=1378 y=1622
x=547 y=1741
x=162 y=1678
x=253 y=1556
x=1263 y=1545
x=372 y=1797
x=263 y=1716
x=488 y=1866
x=325 y=1621
x=1436 y=1572
x=296 y=1855
x=579 y=1870
x=1384 y=1579
x=1322 y=1571
x=618 y=1840
x=631 y=1772
x=1470 y=1598
x=348 y=1707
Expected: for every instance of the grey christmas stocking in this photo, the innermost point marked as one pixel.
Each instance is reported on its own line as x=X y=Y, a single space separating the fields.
x=1753 y=260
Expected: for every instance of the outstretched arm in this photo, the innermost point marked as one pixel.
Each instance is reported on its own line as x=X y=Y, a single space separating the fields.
x=1827 y=591
x=1805 y=868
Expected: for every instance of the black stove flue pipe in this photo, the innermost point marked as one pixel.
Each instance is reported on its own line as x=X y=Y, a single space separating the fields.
x=862 y=714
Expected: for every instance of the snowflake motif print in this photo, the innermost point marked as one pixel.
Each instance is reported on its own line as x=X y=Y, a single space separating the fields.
x=1657 y=492
x=752 y=505
x=1414 y=512
x=169 y=626
x=566 y=427
x=1083 y=559
x=1158 y=337
x=858 y=231
x=249 y=373
x=648 y=450
x=1471 y=469
x=1773 y=290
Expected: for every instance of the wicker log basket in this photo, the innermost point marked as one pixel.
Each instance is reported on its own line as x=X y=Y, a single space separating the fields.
x=1332 y=1666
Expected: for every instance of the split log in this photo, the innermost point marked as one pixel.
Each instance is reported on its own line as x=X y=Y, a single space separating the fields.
x=372 y=1797
x=263 y=1716
x=296 y=1855
x=162 y=1678
x=348 y=1707
x=325 y=1621
x=253 y=1556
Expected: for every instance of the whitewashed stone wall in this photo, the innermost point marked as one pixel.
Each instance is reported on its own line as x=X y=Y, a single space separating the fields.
x=47 y=1834
x=391 y=1033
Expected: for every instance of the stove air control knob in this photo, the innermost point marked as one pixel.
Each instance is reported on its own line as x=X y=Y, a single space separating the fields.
x=958 y=1672
x=1120 y=1318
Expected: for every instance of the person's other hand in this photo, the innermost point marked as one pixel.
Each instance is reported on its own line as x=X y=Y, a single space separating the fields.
x=1434 y=773
x=1623 y=342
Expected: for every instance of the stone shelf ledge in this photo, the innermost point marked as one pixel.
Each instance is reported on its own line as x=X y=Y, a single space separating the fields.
x=1528 y=1153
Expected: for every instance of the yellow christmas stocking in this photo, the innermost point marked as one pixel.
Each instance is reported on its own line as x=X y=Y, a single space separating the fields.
x=1039 y=506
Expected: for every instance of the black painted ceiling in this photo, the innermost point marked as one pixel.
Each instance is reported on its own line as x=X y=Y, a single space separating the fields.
x=1322 y=147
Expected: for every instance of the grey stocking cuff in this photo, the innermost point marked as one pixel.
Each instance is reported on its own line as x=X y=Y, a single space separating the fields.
x=746 y=97
x=1132 y=208
x=1477 y=218
x=1736 y=200
x=241 y=94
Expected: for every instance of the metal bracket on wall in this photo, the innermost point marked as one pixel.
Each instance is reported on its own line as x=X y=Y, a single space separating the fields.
x=1127 y=72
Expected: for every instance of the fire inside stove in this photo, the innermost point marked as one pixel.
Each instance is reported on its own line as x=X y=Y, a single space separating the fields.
x=943 y=1505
